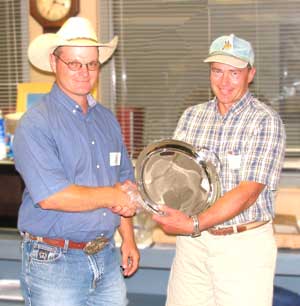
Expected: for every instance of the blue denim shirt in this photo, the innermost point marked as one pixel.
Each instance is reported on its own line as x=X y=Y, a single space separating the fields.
x=56 y=145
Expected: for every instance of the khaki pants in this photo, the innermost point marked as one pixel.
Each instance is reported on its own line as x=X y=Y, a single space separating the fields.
x=232 y=270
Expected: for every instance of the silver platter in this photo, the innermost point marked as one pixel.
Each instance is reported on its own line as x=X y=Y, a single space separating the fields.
x=173 y=173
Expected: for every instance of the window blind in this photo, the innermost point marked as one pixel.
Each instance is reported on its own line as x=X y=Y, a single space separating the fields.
x=158 y=69
x=14 y=67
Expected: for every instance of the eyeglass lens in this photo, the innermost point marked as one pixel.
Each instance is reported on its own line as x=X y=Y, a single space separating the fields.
x=75 y=65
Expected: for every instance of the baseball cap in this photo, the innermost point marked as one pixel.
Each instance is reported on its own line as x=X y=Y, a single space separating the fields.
x=231 y=50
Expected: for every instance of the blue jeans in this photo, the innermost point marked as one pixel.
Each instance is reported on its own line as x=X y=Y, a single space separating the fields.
x=53 y=276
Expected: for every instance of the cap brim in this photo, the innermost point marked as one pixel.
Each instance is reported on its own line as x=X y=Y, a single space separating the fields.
x=226 y=59
x=42 y=46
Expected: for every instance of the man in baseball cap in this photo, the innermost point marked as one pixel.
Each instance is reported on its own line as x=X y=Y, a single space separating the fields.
x=226 y=255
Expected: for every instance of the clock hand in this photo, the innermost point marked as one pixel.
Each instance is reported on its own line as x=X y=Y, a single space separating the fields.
x=57 y=2
x=50 y=8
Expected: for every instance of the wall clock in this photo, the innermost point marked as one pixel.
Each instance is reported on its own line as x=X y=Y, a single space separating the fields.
x=51 y=14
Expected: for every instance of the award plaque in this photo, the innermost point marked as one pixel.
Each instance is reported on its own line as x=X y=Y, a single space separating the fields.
x=171 y=172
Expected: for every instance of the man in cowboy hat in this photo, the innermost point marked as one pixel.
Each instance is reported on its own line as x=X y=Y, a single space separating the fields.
x=226 y=255
x=69 y=151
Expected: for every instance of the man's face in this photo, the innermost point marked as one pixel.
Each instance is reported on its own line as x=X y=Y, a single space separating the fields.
x=229 y=84
x=75 y=83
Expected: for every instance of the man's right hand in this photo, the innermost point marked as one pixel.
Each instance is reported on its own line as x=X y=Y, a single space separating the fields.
x=126 y=204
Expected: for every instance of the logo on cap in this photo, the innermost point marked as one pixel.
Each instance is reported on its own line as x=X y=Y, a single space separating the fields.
x=227 y=45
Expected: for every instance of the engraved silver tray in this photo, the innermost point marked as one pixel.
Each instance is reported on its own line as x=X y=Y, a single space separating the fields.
x=172 y=172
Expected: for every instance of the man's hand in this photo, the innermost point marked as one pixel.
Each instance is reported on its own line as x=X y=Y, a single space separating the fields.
x=130 y=257
x=174 y=221
x=126 y=204
x=129 y=250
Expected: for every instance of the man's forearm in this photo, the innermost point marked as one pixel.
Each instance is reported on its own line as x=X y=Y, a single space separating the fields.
x=231 y=204
x=76 y=198
x=126 y=229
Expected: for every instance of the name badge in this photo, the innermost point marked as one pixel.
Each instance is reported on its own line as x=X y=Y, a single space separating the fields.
x=234 y=161
x=114 y=159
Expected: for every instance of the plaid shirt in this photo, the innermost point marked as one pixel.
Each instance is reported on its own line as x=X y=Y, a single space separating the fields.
x=250 y=143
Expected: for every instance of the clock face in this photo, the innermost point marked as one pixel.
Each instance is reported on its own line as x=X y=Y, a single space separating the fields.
x=51 y=14
x=53 y=10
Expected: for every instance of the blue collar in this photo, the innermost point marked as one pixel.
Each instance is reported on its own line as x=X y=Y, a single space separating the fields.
x=58 y=96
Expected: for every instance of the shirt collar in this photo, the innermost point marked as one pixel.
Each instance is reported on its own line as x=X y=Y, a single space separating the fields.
x=238 y=106
x=60 y=97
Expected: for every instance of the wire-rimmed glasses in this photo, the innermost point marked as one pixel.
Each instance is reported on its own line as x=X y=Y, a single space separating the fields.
x=75 y=65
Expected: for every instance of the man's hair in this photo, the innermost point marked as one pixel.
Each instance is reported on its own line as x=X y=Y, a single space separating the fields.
x=57 y=51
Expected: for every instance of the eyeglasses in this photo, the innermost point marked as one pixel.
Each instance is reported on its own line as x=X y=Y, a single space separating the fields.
x=75 y=65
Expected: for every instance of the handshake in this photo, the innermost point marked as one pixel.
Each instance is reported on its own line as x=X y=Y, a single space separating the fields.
x=127 y=199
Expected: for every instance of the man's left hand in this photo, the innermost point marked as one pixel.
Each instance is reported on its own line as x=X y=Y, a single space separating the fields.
x=130 y=257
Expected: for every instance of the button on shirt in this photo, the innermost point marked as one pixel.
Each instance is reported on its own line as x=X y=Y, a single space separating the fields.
x=57 y=145
x=250 y=143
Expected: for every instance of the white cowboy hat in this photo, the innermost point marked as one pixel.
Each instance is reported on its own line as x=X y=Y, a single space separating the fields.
x=76 y=31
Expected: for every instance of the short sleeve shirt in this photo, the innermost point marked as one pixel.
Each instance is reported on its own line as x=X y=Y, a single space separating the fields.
x=57 y=145
x=249 y=141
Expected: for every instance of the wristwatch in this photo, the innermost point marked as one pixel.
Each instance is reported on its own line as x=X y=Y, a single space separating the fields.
x=196 y=230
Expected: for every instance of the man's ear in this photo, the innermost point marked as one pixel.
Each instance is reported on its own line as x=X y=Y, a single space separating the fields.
x=52 y=60
x=251 y=74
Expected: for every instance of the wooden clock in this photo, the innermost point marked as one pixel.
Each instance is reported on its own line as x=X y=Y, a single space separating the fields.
x=51 y=14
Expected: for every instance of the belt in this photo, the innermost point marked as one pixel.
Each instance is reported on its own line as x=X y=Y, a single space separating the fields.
x=89 y=248
x=235 y=228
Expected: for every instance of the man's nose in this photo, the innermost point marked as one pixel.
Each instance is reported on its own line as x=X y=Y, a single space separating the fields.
x=225 y=79
x=84 y=68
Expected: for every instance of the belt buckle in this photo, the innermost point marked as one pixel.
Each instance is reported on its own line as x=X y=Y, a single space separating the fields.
x=95 y=246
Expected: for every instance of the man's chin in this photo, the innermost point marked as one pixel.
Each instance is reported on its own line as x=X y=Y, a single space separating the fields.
x=83 y=91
